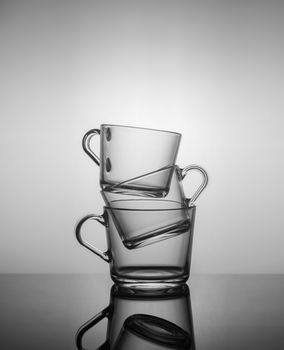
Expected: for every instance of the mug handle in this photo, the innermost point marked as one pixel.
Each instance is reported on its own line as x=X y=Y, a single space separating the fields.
x=86 y=145
x=184 y=171
x=88 y=325
x=100 y=218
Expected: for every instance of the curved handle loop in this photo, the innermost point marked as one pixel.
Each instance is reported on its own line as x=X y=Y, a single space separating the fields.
x=89 y=324
x=204 y=183
x=86 y=145
x=104 y=255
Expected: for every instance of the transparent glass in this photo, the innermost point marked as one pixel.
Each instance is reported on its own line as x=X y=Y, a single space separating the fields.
x=171 y=304
x=137 y=229
x=128 y=153
x=164 y=263
x=176 y=192
x=141 y=222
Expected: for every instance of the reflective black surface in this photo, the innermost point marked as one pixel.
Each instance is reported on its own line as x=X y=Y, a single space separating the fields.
x=228 y=311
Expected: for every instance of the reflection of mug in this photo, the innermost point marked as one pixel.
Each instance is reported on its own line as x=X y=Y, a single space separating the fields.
x=142 y=332
x=172 y=304
x=167 y=262
x=129 y=153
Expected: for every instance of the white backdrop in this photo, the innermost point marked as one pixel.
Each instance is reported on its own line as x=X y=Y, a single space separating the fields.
x=212 y=70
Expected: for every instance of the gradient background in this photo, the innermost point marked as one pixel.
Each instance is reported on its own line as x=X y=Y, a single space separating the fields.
x=212 y=70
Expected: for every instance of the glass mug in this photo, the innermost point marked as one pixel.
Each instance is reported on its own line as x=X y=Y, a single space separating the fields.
x=171 y=304
x=136 y=229
x=130 y=153
x=140 y=222
x=142 y=332
x=165 y=263
x=176 y=191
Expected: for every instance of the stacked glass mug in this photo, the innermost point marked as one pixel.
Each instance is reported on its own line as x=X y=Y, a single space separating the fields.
x=149 y=221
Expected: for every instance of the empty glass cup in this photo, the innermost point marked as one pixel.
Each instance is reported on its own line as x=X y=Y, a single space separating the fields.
x=176 y=191
x=165 y=263
x=137 y=229
x=141 y=222
x=171 y=304
x=128 y=153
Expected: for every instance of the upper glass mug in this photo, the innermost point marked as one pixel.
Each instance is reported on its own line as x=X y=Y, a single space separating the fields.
x=129 y=153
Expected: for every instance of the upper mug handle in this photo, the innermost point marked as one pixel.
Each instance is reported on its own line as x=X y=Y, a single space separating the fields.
x=184 y=171
x=86 y=145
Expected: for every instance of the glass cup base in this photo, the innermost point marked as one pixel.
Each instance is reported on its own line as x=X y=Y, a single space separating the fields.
x=149 y=279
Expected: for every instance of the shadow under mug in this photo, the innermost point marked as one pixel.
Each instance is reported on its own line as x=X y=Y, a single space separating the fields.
x=129 y=153
x=171 y=304
x=165 y=263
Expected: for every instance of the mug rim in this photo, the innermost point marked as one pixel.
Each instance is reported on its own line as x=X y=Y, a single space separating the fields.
x=181 y=206
x=141 y=128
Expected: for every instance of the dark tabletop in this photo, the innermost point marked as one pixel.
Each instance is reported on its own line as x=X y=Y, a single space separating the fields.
x=228 y=311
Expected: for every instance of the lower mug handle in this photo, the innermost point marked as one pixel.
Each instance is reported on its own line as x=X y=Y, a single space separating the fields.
x=88 y=325
x=104 y=255
x=204 y=183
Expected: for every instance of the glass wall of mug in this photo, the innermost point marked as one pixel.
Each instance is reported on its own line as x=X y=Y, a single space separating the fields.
x=169 y=305
x=162 y=264
x=128 y=153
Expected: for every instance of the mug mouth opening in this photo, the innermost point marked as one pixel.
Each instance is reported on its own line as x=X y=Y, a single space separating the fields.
x=141 y=128
x=148 y=205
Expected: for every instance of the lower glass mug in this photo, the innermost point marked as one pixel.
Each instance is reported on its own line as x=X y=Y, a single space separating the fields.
x=162 y=264
x=169 y=305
